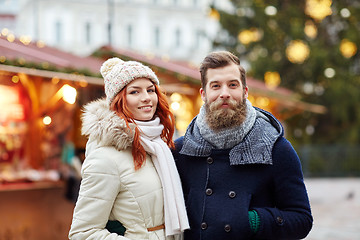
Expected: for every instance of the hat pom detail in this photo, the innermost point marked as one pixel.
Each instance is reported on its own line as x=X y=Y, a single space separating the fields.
x=108 y=65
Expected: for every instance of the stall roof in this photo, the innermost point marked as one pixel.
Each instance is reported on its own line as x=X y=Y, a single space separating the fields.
x=37 y=52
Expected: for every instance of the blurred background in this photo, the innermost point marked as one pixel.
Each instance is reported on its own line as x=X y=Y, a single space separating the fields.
x=302 y=61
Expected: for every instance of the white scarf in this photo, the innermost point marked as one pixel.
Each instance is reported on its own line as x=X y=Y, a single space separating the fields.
x=176 y=220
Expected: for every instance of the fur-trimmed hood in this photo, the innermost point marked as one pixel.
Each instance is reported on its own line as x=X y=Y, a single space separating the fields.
x=102 y=125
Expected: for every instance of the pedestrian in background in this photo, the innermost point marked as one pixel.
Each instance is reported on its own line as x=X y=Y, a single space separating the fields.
x=129 y=175
x=241 y=178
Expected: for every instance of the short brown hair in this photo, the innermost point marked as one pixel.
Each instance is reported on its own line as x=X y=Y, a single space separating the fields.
x=217 y=60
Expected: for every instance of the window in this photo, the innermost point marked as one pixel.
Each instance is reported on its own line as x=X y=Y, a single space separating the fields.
x=157 y=37
x=130 y=35
x=198 y=38
x=58 y=32
x=88 y=33
x=177 y=38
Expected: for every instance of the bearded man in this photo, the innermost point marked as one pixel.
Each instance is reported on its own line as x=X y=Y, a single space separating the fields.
x=241 y=178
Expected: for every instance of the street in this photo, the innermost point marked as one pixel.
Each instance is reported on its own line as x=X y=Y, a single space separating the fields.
x=335 y=204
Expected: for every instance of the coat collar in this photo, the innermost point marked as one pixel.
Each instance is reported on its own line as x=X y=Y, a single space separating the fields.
x=256 y=147
x=102 y=125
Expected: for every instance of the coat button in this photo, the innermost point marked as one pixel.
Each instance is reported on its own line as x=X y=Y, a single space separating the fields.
x=232 y=194
x=209 y=191
x=203 y=226
x=209 y=160
x=280 y=220
x=227 y=228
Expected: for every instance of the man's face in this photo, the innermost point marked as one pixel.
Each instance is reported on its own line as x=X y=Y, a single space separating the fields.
x=224 y=97
x=224 y=83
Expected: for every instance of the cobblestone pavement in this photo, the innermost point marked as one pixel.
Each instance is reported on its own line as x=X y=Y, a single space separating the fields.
x=335 y=204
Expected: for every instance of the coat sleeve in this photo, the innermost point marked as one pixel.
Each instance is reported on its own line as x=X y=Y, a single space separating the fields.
x=99 y=188
x=291 y=217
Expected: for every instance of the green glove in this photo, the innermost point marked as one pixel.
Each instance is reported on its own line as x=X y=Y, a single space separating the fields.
x=254 y=220
x=115 y=227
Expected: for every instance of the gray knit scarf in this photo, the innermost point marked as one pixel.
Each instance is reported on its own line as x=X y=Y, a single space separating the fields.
x=229 y=137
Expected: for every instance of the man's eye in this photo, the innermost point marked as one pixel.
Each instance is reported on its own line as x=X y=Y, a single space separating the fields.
x=215 y=86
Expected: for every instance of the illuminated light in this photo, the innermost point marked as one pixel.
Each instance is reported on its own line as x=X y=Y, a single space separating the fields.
x=272 y=79
x=345 y=13
x=245 y=37
x=11 y=38
x=21 y=61
x=83 y=83
x=40 y=44
x=262 y=101
x=2 y=59
x=308 y=88
x=15 y=79
x=251 y=98
x=69 y=94
x=5 y=31
x=11 y=108
x=45 y=65
x=55 y=80
x=150 y=55
x=348 y=48
x=318 y=9
x=165 y=58
x=310 y=29
x=329 y=72
x=249 y=35
x=175 y=106
x=297 y=51
x=214 y=14
x=175 y=97
x=270 y=10
x=26 y=40
x=310 y=129
x=47 y=120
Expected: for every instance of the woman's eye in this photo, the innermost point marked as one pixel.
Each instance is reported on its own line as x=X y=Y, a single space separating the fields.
x=133 y=92
x=151 y=90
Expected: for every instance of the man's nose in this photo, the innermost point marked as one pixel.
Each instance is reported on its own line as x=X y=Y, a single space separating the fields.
x=225 y=92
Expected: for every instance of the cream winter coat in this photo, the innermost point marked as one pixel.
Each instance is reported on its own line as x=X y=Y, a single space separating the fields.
x=111 y=189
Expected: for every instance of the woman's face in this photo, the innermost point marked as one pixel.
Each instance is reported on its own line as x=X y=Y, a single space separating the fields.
x=141 y=99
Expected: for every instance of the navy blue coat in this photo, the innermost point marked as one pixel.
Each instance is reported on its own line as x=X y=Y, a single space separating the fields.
x=218 y=195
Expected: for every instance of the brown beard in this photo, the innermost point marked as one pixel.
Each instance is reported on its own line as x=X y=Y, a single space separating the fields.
x=219 y=118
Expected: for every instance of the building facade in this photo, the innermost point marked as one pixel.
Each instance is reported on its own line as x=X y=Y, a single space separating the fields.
x=180 y=30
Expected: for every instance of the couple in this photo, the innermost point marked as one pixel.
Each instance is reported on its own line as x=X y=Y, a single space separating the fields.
x=239 y=176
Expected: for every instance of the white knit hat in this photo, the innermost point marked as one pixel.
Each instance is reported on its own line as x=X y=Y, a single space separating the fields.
x=118 y=73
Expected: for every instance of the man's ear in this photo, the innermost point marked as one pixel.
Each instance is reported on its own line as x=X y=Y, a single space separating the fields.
x=202 y=94
x=246 y=92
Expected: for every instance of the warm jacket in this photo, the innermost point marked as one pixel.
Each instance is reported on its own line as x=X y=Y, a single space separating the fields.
x=265 y=175
x=111 y=189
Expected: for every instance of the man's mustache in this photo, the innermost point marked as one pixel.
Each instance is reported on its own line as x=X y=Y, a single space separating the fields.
x=219 y=102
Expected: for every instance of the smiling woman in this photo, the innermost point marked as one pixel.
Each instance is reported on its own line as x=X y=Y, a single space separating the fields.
x=141 y=99
x=129 y=174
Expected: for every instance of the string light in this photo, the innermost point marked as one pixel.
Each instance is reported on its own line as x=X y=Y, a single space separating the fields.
x=348 y=48
x=297 y=51
x=318 y=9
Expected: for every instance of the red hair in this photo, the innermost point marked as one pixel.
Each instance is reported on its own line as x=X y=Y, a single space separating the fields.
x=119 y=105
